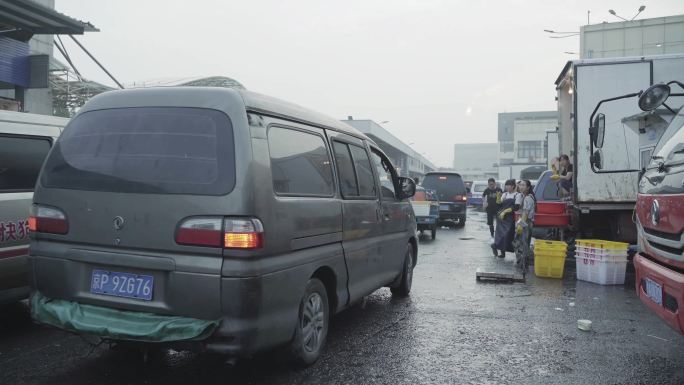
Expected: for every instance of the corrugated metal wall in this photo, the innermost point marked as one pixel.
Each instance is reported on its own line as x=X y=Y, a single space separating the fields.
x=14 y=62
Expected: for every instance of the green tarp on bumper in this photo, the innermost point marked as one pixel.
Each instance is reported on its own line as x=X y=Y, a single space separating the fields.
x=117 y=324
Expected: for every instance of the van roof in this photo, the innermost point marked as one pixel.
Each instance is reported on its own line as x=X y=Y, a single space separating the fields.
x=21 y=123
x=442 y=172
x=216 y=98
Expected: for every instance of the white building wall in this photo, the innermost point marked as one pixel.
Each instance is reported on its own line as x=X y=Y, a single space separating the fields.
x=530 y=131
x=661 y=35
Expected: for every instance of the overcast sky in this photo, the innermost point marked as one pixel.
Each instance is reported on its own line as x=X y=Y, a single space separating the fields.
x=438 y=71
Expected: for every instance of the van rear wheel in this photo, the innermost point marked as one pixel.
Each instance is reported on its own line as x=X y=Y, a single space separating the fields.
x=312 y=324
x=404 y=287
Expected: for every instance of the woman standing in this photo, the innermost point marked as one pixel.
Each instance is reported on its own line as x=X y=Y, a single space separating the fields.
x=527 y=212
x=505 y=222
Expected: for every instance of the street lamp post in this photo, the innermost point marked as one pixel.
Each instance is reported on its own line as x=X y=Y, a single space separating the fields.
x=565 y=34
x=641 y=9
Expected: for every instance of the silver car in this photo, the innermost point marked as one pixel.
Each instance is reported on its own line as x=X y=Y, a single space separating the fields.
x=25 y=140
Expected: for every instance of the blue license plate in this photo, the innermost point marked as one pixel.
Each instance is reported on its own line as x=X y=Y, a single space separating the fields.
x=122 y=284
x=654 y=291
x=444 y=207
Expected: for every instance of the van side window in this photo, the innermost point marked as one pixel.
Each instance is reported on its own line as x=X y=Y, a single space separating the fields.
x=364 y=172
x=354 y=169
x=20 y=161
x=385 y=175
x=345 y=169
x=300 y=163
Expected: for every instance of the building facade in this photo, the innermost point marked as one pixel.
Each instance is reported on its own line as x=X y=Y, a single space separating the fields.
x=476 y=161
x=523 y=142
x=656 y=36
x=26 y=52
x=407 y=161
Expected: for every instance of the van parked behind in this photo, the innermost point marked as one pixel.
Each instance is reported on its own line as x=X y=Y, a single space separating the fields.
x=25 y=140
x=214 y=217
x=452 y=195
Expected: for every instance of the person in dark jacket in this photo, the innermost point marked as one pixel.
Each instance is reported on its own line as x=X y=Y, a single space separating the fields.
x=490 y=197
x=505 y=219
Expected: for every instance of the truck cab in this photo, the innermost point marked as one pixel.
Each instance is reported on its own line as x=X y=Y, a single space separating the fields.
x=659 y=210
x=660 y=222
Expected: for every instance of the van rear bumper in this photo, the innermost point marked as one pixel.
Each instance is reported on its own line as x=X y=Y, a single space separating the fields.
x=252 y=313
x=451 y=211
x=14 y=284
x=672 y=284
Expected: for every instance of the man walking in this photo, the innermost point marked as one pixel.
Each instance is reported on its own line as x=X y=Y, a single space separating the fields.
x=490 y=198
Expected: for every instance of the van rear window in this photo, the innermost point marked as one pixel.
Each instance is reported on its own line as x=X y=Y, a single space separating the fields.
x=165 y=150
x=447 y=185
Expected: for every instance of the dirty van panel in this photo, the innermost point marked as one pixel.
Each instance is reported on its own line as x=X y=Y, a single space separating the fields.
x=147 y=168
x=125 y=179
x=304 y=212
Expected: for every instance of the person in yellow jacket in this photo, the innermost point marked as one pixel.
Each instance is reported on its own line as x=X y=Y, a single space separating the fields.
x=562 y=173
x=505 y=220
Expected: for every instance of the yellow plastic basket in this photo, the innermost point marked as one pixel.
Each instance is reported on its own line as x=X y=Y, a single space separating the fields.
x=551 y=253
x=550 y=266
x=540 y=245
x=601 y=244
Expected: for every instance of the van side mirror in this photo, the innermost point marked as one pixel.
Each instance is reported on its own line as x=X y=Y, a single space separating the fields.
x=654 y=97
x=408 y=187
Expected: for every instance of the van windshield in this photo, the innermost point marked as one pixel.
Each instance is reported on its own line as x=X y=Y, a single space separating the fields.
x=478 y=188
x=447 y=185
x=145 y=150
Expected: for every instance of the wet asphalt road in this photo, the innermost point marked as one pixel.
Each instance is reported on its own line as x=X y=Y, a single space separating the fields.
x=452 y=330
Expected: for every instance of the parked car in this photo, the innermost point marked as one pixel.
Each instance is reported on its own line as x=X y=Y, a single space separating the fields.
x=236 y=221
x=426 y=208
x=25 y=140
x=478 y=187
x=452 y=195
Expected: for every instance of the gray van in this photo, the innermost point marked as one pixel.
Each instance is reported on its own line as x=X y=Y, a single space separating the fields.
x=215 y=216
x=25 y=140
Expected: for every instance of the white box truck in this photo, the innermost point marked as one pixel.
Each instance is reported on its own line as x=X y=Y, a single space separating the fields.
x=603 y=204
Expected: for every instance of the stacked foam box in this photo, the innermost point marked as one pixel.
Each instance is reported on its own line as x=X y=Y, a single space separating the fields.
x=602 y=262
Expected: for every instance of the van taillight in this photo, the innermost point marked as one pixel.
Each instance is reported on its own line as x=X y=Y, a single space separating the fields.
x=243 y=233
x=44 y=219
x=200 y=231
x=230 y=233
x=460 y=198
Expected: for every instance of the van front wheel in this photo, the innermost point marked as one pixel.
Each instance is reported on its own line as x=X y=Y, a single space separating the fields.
x=312 y=325
x=404 y=287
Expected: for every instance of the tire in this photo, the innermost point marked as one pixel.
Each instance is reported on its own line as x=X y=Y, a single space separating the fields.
x=312 y=325
x=404 y=287
x=433 y=233
x=461 y=221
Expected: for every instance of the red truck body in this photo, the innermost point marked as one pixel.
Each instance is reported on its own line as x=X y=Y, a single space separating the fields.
x=660 y=225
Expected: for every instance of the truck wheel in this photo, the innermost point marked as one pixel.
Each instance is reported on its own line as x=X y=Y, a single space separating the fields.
x=312 y=325
x=404 y=287
x=434 y=232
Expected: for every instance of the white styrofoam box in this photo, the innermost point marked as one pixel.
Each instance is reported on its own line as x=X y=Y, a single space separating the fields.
x=606 y=257
x=604 y=272
x=598 y=252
